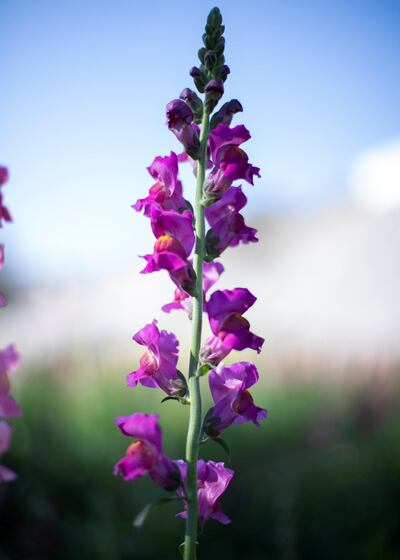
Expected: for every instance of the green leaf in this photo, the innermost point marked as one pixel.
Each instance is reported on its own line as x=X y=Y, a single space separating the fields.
x=141 y=517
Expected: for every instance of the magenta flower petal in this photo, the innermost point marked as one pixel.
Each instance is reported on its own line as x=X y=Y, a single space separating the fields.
x=233 y=403
x=224 y=304
x=145 y=455
x=228 y=228
x=174 y=224
x=167 y=190
x=182 y=300
x=175 y=240
x=143 y=427
x=231 y=330
x=9 y=359
x=212 y=479
x=230 y=162
x=211 y=273
x=158 y=363
x=9 y=408
x=223 y=136
x=4 y=213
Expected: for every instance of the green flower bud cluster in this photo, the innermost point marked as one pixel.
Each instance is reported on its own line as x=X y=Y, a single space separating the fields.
x=212 y=72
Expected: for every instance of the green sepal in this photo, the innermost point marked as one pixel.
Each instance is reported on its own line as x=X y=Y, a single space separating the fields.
x=204 y=369
x=222 y=443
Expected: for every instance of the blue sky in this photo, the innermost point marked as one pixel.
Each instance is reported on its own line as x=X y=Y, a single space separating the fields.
x=84 y=88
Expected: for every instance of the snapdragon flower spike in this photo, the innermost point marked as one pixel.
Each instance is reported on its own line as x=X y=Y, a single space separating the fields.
x=9 y=361
x=231 y=330
x=228 y=228
x=233 y=404
x=182 y=300
x=212 y=480
x=175 y=240
x=180 y=122
x=145 y=456
x=167 y=190
x=158 y=363
x=6 y=475
x=230 y=162
x=4 y=213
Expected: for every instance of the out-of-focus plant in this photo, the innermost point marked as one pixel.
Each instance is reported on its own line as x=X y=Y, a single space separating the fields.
x=9 y=359
x=210 y=145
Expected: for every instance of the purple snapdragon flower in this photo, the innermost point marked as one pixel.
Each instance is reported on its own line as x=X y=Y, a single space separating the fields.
x=167 y=190
x=4 y=213
x=9 y=361
x=175 y=240
x=6 y=475
x=233 y=403
x=182 y=300
x=158 y=363
x=228 y=228
x=212 y=480
x=145 y=455
x=231 y=330
x=230 y=162
x=180 y=122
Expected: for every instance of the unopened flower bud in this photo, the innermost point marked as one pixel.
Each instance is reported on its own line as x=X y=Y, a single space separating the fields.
x=198 y=78
x=195 y=103
x=179 y=121
x=210 y=59
x=214 y=91
x=223 y=71
x=225 y=113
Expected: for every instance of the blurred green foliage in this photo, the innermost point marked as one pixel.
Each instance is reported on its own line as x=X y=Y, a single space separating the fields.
x=320 y=480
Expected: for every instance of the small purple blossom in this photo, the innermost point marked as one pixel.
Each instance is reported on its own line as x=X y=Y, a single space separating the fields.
x=6 y=475
x=9 y=361
x=212 y=479
x=230 y=162
x=233 y=403
x=180 y=122
x=4 y=213
x=167 y=190
x=228 y=228
x=182 y=300
x=158 y=363
x=145 y=455
x=231 y=330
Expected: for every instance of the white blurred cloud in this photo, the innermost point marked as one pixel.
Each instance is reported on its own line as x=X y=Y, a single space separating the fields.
x=374 y=179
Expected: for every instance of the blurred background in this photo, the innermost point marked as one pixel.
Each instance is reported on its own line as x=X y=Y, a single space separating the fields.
x=84 y=89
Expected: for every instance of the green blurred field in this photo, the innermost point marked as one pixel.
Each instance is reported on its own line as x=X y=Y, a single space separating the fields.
x=320 y=480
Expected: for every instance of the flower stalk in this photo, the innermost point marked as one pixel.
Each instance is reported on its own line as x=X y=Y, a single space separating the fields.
x=195 y=418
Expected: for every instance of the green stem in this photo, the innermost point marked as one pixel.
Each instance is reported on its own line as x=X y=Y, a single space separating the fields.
x=193 y=436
